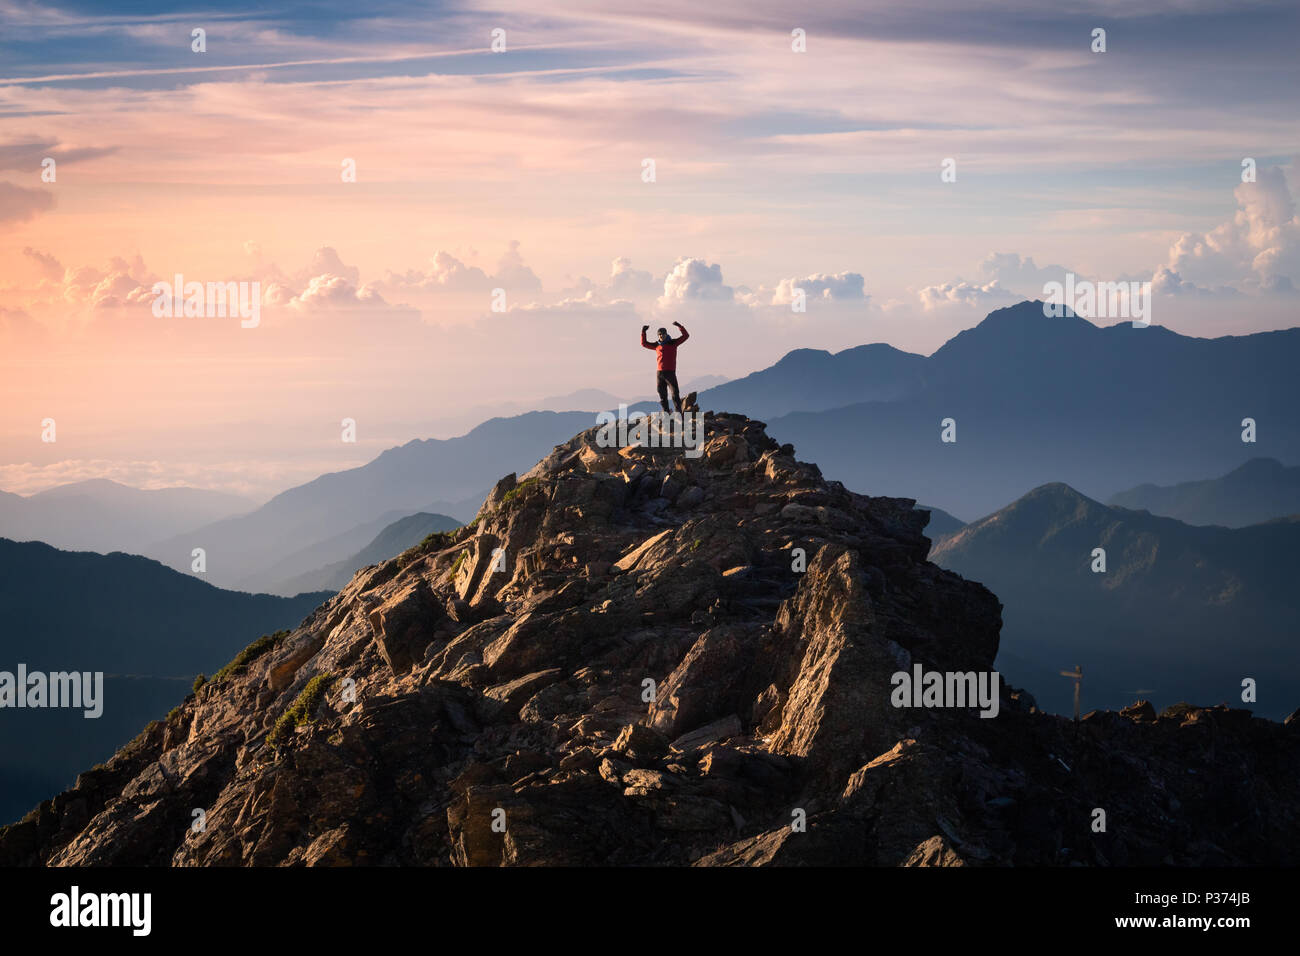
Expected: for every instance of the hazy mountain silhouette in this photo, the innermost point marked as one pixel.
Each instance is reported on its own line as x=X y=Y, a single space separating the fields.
x=245 y=550
x=123 y=615
x=1260 y=490
x=1181 y=612
x=941 y=523
x=289 y=574
x=1037 y=399
x=103 y=515
x=395 y=538
x=814 y=379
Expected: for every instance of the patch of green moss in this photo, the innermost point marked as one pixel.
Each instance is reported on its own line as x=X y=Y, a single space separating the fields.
x=460 y=559
x=302 y=711
x=436 y=541
x=199 y=682
x=249 y=654
x=520 y=489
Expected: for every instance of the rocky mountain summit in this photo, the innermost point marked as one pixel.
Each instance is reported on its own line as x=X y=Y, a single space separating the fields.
x=635 y=656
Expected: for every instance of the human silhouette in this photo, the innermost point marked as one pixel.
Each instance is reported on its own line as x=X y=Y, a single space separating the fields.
x=666 y=352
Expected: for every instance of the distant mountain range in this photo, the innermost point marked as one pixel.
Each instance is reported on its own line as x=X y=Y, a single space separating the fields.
x=152 y=628
x=395 y=538
x=1034 y=399
x=102 y=515
x=511 y=692
x=1180 y=613
x=1038 y=399
x=812 y=380
x=1259 y=490
x=455 y=420
x=442 y=476
x=941 y=523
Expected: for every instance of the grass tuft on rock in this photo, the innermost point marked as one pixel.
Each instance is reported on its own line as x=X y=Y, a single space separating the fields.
x=303 y=709
x=252 y=652
x=520 y=490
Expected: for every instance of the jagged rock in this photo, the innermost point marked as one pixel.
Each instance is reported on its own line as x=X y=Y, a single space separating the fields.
x=601 y=460
x=638 y=742
x=404 y=626
x=709 y=682
x=479 y=571
x=502 y=711
x=934 y=852
x=1141 y=710
x=512 y=694
x=499 y=491
x=629 y=561
x=722 y=729
x=303 y=650
x=766 y=713
x=842 y=688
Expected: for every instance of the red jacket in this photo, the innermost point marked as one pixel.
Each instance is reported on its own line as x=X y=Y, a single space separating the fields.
x=667 y=354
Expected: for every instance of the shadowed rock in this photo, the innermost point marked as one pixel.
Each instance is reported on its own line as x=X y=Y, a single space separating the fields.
x=633 y=656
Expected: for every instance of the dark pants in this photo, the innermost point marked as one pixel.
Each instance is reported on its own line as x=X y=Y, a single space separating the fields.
x=667 y=380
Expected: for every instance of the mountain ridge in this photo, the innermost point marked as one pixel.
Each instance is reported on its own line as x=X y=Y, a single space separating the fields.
x=1259 y=490
x=1185 y=609
x=119 y=614
x=633 y=656
x=1034 y=398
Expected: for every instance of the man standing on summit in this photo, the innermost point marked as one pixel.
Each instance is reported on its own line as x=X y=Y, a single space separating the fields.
x=666 y=350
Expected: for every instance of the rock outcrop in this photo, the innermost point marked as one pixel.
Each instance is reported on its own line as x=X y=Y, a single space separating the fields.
x=634 y=656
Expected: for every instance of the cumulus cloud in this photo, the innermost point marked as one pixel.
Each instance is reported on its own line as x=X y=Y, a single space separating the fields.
x=513 y=275
x=124 y=282
x=1257 y=250
x=333 y=292
x=591 y=303
x=449 y=274
x=841 y=286
x=1167 y=282
x=277 y=294
x=694 y=280
x=326 y=261
x=628 y=282
x=625 y=284
x=326 y=283
x=1019 y=274
x=961 y=292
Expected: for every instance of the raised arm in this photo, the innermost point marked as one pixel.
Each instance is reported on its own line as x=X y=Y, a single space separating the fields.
x=645 y=343
x=685 y=335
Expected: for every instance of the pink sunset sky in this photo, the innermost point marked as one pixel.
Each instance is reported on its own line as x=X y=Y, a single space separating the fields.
x=522 y=170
